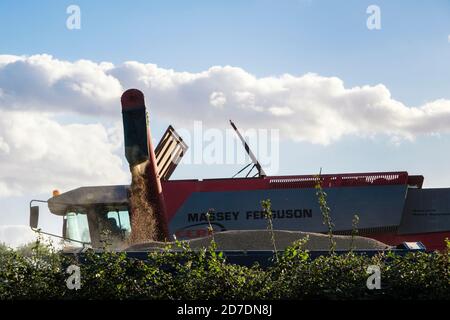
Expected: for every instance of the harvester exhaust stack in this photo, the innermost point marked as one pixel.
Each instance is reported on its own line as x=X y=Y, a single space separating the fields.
x=148 y=214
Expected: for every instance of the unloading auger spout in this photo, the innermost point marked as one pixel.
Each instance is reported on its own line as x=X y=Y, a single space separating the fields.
x=148 y=213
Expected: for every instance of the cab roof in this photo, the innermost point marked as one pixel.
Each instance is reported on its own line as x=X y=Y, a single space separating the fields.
x=89 y=196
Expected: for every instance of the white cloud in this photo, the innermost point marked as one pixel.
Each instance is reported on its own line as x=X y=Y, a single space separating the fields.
x=39 y=153
x=281 y=111
x=305 y=108
x=217 y=99
x=16 y=235
x=4 y=147
x=41 y=82
x=44 y=155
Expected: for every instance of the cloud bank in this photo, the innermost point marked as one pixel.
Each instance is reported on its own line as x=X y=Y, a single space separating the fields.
x=306 y=108
x=39 y=152
x=17 y=235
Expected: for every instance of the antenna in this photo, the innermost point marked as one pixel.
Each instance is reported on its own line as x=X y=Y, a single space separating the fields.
x=256 y=163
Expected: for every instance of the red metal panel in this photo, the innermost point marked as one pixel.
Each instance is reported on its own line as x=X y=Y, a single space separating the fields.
x=432 y=241
x=416 y=181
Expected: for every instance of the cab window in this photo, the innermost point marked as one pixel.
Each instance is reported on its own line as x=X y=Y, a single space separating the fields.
x=77 y=227
x=121 y=221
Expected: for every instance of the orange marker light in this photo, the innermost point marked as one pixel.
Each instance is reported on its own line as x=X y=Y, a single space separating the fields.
x=56 y=193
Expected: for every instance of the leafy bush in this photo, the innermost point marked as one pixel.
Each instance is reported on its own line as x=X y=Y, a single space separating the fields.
x=181 y=273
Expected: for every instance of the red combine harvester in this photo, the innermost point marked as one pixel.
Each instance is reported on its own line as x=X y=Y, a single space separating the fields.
x=392 y=206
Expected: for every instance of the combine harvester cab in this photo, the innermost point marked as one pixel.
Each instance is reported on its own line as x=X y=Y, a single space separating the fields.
x=393 y=208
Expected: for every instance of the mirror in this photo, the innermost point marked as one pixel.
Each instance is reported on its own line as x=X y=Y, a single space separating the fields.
x=34 y=216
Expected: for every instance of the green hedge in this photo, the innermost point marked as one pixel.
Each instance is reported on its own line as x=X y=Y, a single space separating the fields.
x=39 y=272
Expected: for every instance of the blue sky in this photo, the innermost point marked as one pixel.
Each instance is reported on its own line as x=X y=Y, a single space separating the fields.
x=410 y=55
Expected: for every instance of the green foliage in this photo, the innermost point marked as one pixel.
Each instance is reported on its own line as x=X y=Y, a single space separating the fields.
x=178 y=272
x=31 y=272
x=325 y=210
x=3 y=248
x=355 y=222
x=267 y=210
